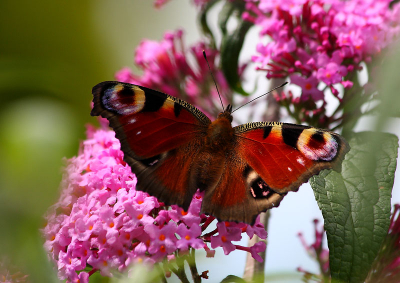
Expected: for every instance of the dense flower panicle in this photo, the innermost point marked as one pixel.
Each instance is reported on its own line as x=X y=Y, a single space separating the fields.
x=321 y=40
x=168 y=66
x=101 y=223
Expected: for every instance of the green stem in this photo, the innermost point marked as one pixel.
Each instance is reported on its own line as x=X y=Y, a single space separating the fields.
x=180 y=271
x=191 y=260
x=161 y=272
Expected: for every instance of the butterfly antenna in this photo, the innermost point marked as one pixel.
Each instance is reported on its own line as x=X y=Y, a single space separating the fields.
x=216 y=86
x=261 y=95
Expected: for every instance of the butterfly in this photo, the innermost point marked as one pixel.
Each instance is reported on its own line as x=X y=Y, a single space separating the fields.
x=174 y=149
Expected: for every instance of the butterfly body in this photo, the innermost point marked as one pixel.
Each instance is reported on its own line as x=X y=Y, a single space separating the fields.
x=220 y=133
x=174 y=149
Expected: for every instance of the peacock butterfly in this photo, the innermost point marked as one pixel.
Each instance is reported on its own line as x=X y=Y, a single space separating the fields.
x=174 y=149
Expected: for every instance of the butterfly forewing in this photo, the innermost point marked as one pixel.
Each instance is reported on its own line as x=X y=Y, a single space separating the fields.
x=287 y=155
x=147 y=122
x=268 y=160
x=159 y=136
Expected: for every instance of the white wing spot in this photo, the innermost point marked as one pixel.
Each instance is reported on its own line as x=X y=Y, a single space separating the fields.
x=138 y=133
x=129 y=110
x=300 y=160
x=290 y=169
x=154 y=162
x=133 y=120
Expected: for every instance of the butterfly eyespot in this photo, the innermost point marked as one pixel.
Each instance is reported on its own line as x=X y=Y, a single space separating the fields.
x=317 y=145
x=260 y=189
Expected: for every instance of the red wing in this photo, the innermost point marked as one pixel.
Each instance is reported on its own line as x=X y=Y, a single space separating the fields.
x=147 y=122
x=286 y=155
x=239 y=195
x=160 y=136
x=167 y=177
x=267 y=161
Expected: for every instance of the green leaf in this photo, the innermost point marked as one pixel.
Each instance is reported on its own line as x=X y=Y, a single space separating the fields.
x=233 y=278
x=203 y=21
x=224 y=15
x=231 y=46
x=231 y=43
x=356 y=204
x=230 y=49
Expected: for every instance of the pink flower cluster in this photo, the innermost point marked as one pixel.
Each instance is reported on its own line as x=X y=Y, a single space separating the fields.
x=101 y=223
x=317 y=41
x=167 y=68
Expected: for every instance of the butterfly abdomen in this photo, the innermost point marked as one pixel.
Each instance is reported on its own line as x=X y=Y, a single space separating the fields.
x=210 y=162
x=207 y=169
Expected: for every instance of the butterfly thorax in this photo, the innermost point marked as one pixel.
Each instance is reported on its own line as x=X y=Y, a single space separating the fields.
x=220 y=132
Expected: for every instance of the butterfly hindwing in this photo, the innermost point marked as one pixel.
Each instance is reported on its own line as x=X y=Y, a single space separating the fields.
x=157 y=132
x=239 y=195
x=169 y=180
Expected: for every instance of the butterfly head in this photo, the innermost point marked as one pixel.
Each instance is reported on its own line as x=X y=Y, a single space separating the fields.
x=227 y=113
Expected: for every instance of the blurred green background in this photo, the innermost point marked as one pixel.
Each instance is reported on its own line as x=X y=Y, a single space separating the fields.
x=51 y=54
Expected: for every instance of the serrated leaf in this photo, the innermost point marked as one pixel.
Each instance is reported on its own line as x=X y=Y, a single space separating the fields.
x=356 y=204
